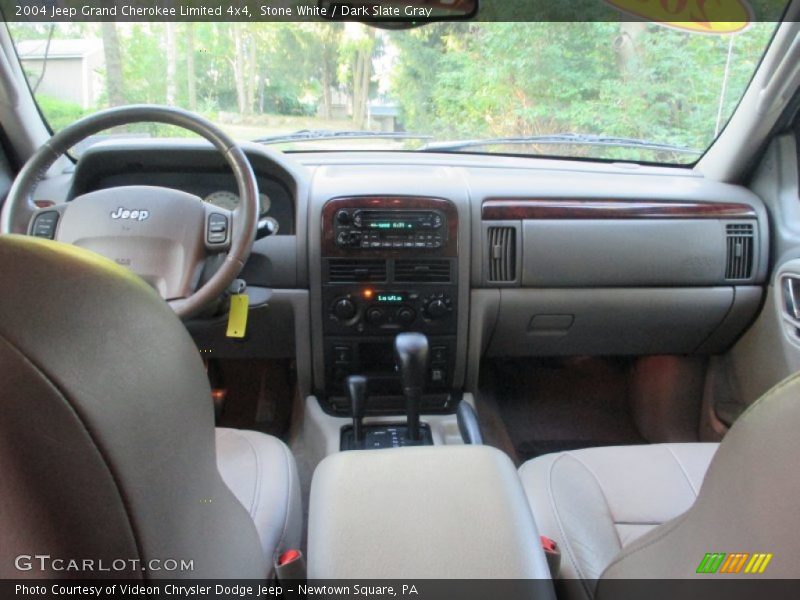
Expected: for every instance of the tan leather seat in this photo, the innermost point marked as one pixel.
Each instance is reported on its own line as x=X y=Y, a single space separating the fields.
x=107 y=443
x=261 y=472
x=654 y=511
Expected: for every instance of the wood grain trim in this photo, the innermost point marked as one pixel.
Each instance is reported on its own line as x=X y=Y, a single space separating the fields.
x=510 y=209
x=329 y=247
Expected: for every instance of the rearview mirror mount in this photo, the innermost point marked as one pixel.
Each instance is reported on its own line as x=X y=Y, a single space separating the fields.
x=398 y=13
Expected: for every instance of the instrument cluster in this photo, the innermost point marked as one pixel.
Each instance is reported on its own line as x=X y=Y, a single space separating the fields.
x=229 y=200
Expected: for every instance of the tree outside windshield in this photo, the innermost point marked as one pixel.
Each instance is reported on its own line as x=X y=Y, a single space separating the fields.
x=443 y=81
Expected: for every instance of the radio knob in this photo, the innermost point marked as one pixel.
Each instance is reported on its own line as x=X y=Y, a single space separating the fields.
x=344 y=309
x=406 y=315
x=375 y=316
x=343 y=217
x=436 y=308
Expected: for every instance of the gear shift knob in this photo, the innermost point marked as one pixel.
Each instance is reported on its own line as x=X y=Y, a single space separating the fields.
x=411 y=353
x=357 y=391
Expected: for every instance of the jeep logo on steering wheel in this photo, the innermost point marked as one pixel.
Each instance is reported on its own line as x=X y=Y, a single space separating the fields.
x=134 y=215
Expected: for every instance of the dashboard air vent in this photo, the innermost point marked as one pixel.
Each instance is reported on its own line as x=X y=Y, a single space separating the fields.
x=345 y=270
x=740 y=251
x=422 y=271
x=502 y=254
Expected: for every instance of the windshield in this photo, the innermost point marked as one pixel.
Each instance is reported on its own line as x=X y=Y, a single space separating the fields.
x=600 y=90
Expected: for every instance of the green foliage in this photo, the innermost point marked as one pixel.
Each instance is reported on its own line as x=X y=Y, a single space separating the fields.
x=281 y=99
x=605 y=78
x=451 y=80
x=60 y=113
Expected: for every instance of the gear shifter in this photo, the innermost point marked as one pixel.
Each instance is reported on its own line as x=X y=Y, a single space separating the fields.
x=411 y=353
x=357 y=391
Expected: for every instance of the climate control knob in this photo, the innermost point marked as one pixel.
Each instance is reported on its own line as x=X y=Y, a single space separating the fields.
x=436 y=309
x=437 y=306
x=344 y=309
x=375 y=316
x=406 y=315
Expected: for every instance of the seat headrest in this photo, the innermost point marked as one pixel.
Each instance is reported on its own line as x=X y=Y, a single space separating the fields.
x=107 y=436
x=749 y=501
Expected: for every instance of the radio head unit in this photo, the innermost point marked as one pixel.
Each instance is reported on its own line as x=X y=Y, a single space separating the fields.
x=384 y=229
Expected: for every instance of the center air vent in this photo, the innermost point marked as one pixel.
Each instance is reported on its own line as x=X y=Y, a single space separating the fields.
x=343 y=270
x=422 y=271
x=740 y=241
x=502 y=254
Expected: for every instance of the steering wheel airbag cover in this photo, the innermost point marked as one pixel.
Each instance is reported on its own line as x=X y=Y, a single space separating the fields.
x=19 y=207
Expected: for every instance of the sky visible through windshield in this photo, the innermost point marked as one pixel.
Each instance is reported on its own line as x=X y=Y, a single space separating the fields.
x=444 y=81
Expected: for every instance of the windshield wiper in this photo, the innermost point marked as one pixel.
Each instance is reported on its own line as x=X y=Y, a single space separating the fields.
x=581 y=139
x=310 y=135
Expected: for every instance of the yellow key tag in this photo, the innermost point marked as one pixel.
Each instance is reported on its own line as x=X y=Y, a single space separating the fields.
x=237 y=317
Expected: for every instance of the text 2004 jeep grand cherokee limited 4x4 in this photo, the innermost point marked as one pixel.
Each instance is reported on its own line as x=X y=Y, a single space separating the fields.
x=430 y=299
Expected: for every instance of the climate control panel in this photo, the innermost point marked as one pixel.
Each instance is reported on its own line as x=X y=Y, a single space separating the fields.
x=362 y=309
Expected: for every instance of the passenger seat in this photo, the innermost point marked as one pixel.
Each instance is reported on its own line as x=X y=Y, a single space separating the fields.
x=654 y=511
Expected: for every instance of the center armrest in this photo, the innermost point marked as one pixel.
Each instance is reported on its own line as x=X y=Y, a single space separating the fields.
x=456 y=512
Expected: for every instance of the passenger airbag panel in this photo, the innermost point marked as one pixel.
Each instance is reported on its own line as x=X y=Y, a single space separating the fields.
x=619 y=252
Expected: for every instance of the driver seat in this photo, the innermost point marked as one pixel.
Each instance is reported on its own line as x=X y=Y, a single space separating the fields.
x=108 y=450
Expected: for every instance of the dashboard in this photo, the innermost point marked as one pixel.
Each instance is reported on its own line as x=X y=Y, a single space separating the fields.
x=490 y=256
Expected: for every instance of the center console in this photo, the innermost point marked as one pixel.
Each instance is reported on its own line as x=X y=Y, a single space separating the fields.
x=390 y=265
x=456 y=512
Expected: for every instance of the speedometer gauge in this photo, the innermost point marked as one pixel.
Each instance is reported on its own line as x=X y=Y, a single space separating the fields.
x=223 y=199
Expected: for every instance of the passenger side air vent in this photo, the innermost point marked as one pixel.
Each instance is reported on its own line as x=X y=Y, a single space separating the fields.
x=740 y=251
x=344 y=270
x=422 y=271
x=502 y=254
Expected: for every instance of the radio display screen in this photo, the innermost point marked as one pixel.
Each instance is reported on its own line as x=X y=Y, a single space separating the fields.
x=390 y=225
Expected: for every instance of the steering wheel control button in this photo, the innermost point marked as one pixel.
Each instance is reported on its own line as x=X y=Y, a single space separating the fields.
x=217 y=229
x=44 y=225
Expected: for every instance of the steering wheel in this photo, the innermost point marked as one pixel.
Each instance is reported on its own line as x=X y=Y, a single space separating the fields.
x=161 y=234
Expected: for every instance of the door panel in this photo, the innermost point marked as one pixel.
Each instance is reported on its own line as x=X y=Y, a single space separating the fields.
x=770 y=350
